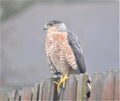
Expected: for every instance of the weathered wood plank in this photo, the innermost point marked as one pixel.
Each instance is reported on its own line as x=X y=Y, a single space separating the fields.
x=19 y=95
x=1 y=96
x=16 y=98
x=84 y=87
x=41 y=90
x=48 y=90
x=108 y=87
x=69 y=92
x=35 y=92
x=53 y=90
x=93 y=88
x=12 y=95
x=100 y=85
x=4 y=96
x=105 y=86
x=117 y=85
x=25 y=94
x=97 y=87
x=79 y=87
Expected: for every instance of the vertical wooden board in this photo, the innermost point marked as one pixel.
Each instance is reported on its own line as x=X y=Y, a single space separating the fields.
x=117 y=85
x=53 y=90
x=11 y=95
x=79 y=79
x=100 y=85
x=108 y=89
x=16 y=97
x=61 y=94
x=36 y=92
x=22 y=93
x=19 y=96
x=97 y=87
x=84 y=87
x=69 y=92
x=1 y=95
x=6 y=96
x=46 y=90
x=40 y=90
x=26 y=94
x=94 y=88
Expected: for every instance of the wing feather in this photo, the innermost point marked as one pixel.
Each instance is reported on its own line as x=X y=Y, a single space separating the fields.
x=77 y=50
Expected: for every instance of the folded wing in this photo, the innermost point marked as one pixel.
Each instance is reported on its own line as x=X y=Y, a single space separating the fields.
x=77 y=50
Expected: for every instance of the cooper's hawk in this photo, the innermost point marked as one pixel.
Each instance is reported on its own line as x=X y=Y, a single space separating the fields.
x=63 y=50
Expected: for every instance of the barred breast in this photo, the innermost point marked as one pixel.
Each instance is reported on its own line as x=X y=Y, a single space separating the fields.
x=60 y=53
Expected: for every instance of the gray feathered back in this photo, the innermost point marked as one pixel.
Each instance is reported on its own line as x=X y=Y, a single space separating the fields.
x=77 y=50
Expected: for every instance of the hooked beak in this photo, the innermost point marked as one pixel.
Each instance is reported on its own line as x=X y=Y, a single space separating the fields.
x=45 y=27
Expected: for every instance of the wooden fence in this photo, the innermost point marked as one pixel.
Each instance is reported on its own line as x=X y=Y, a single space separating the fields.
x=105 y=87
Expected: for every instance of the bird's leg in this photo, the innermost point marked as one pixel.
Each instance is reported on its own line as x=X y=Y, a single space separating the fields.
x=54 y=72
x=55 y=76
x=62 y=82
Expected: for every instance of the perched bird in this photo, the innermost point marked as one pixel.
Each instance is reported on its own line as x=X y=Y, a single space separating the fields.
x=64 y=52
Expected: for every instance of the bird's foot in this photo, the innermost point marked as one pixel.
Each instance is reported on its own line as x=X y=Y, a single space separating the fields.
x=63 y=79
x=62 y=82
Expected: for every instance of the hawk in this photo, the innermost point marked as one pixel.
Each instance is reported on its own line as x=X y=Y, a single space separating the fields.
x=64 y=52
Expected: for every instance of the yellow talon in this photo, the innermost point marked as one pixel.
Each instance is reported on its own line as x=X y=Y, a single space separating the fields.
x=62 y=82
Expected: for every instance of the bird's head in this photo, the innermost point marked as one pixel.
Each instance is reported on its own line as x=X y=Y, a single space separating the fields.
x=55 y=26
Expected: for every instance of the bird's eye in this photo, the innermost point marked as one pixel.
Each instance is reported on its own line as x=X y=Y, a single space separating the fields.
x=51 y=24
